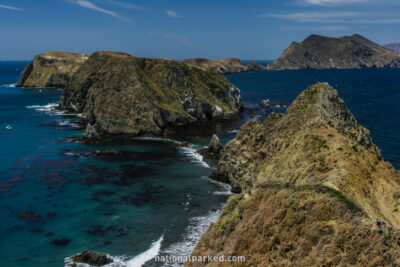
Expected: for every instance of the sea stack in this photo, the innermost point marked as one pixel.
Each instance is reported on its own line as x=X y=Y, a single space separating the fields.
x=314 y=190
x=348 y=52
x=119 y=94
x=51 y=69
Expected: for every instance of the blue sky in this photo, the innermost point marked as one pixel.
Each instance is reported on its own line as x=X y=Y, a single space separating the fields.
x=247 y=29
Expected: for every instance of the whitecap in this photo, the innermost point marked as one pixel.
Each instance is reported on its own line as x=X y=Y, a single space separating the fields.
x=197 y=226
x=160 y=139
x=195 y=157
x=232 y=131
x=11 y=85
x=149 y=254
x=50 y=109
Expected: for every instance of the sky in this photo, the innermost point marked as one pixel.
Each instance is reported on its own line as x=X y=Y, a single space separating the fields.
x=245 y=29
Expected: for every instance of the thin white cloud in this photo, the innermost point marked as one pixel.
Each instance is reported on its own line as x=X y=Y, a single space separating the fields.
x=173 y=14
x=11 y=8
x=171 y=36
x=312 y=16
x=342 y=17
x=124 y=5
x=331 y=2
x=334 y=28
x=90 y=5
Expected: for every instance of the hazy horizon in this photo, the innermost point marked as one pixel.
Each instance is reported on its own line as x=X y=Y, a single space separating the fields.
x=181 y=29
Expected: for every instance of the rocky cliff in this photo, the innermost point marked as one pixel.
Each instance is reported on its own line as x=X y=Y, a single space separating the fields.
x=394 y=47
x=314 y=191
x=348 y=52
x=224 y=66
x=121 y=94
x=52 y=69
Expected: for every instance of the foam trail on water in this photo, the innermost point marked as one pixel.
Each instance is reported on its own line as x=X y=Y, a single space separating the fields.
x=149 y=254
x=193 y=233
x=11 y=85
x=192 y=153
x=50 y=109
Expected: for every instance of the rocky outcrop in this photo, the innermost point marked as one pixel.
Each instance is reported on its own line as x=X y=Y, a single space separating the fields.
x=314 y=191
x=224 y=66
x=394 y=47
x=52 y=69
x=348 y=52
x=215 y=146
x=91 y=258
x=119 y=94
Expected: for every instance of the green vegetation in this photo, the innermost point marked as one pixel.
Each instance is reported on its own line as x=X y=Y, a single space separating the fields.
x=318 y=144
x=227 y=224
x=231 y=204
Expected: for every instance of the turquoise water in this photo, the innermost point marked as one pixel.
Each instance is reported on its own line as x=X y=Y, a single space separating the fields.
x=59 y=197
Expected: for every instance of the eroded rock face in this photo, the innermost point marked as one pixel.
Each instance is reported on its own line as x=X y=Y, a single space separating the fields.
x=52 y=69
x=121 y=94
x=215 y=146
x=348 y=52
x=315 y=191
x=91 y=258
x=224 y=66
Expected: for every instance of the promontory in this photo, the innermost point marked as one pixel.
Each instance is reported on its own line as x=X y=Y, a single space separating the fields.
x=348 y=52
x=119 y=94
x=313 y=190
x=51 y=69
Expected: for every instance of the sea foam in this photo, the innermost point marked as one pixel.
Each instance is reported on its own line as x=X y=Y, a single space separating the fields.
x=194 y=156
x=144 y=257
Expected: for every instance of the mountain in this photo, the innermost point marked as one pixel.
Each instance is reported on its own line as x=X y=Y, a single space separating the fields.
x=224 y=66
x=51 y=69
x=348 y=52
x=119 y=94
x=393 y=47
x=313 y=189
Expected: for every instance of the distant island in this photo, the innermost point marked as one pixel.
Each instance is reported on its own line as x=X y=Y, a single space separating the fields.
x=348 y=52
x=394 y=47
x=119 y=94
x=225 y=66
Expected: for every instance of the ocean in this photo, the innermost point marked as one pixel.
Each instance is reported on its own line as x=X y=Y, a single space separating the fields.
x=141 y=197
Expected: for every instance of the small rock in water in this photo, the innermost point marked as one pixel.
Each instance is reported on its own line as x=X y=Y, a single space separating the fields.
x=215 y=146
x=91 y=133
x=91 y=258
x=265 y=103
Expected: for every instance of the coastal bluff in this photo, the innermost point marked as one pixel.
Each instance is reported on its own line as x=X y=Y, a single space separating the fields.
x=51 y=69
x=313 y=190
x=348 y=52
x=119 y=94
x=225 y=66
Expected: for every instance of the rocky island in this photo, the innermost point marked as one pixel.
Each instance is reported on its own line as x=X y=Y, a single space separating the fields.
x=225 y=66
x=119 y=94
x=394 y=47
x=348 y=52
x=313 y=189
x=51 y=69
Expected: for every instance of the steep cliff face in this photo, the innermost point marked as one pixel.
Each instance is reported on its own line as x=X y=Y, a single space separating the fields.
x=52 y=69
x=224 y=66
x=121 y=94
x=348 y=52
x=314 y=189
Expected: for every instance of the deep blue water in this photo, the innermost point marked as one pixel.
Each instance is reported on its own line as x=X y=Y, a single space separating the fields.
x=58 y=197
